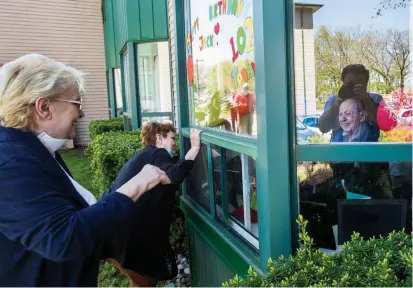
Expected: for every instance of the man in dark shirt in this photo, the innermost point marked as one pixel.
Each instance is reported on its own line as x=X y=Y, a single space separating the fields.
x=146 y=257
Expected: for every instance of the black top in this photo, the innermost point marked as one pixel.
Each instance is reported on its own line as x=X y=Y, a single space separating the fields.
x=145 y=249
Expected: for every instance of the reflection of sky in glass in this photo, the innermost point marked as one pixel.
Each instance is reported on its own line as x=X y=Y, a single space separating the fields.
x=229 y=25
x=352 y=13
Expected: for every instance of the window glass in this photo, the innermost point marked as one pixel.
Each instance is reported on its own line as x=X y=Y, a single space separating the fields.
x=197 y=181
x=126 y=78
x=240 y=186
x=220 y=65
x=338 y=198
x=160 y=119
x=118 y=88
x=353 y=73
x=154 y=77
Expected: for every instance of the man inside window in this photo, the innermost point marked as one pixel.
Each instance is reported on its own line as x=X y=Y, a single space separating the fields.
x=355 y=80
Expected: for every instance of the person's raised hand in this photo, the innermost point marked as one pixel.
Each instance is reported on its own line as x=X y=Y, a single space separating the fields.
x=195 y=137
x=145 y=180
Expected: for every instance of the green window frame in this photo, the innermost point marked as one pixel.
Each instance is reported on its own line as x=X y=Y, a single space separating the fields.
x=275 y=148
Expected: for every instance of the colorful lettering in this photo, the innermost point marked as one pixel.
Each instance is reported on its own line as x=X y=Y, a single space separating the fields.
x=234 y=76
x=220 y=7
x=235 y=54
x=244 y=75
x=202 y=43
x=240 y=6
x=249 y=25
x=241 y=40
x=251 y=72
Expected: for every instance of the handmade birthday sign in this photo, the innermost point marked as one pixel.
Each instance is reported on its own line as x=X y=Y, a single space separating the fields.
x=220 y=45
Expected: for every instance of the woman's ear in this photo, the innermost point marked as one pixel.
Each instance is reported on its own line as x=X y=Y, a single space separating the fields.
x=363 y=115
x=42 y=108
x=158 y=139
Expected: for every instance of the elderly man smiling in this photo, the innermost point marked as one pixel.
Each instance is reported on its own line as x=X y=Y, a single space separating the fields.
x=352 y=118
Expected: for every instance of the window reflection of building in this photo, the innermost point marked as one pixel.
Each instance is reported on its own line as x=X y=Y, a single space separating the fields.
x=154 y=77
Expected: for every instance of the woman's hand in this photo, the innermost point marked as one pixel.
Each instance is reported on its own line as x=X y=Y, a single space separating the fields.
x=149 y=177
x=195 y=138
x=195 y=144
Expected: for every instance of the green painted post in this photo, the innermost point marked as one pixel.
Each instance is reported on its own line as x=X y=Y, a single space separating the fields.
x=180 y=56
x=111 y=93
x=274 y=145
x=135 y=108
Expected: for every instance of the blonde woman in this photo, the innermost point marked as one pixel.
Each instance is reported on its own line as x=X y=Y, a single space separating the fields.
x=53 y=232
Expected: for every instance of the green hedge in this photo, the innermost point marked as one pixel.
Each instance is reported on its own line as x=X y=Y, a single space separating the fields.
x=383 y=262
x=97 y=127
x=108 y=152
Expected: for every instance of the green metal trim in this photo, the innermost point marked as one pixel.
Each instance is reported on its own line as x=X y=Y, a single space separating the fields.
x=156 y=114
x=234 y=255
x=122 y=78
x=247 y=146
x=224 y=185
x=274 y=144
x=150 y=40
x=211 y=181
x=181 y=76
x=180 y=67
x=111 y=93
x=373 y=152
x=290 y=12
x=134 y=87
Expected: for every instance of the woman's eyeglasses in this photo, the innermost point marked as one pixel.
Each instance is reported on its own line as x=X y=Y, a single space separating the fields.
x=77 y=103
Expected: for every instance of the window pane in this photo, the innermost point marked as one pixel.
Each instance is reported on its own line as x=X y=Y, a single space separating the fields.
x=154 y=77
x=353 y=73
x=241 y=192
x=118 y=88
x=341 y=197
x=220 y=64
x=161 y=119
x=126 y=81
x=197 y=181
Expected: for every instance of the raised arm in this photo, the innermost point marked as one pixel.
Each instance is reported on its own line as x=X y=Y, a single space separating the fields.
x=35 y=212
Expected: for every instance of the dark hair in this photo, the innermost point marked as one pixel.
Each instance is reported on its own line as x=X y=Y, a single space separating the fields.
x=357 y=69
x=151 y=129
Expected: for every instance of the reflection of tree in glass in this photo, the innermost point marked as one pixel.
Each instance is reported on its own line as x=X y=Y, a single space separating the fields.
x=385 y=53
x=391 y=4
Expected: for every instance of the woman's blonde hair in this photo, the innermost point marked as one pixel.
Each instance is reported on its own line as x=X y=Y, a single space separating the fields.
x=27 y=78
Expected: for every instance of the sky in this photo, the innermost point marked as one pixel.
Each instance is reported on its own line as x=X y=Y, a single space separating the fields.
x=345 y=13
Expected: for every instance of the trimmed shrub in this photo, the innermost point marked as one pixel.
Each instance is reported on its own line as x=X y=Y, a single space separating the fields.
x=108 y=153
x=97 y=127
x=382 y=262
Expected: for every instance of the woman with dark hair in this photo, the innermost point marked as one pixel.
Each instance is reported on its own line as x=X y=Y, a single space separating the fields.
x=146 y=256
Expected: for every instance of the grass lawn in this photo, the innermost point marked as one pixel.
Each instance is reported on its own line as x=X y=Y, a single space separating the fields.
x=78 y=165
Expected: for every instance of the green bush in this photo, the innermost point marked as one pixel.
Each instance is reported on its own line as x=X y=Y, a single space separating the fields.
x=97 y=127
x=108 y=153
x=378 y=262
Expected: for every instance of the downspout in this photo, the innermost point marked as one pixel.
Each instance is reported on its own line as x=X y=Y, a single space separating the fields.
x=303 y=56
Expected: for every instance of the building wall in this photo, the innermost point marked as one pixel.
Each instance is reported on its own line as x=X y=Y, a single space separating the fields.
x=69 y=31
x=171 y=27
x=304 y=64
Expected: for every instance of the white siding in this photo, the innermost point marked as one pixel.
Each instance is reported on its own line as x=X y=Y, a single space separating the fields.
x=304 y=64
x=171 y=24
x=70 y=31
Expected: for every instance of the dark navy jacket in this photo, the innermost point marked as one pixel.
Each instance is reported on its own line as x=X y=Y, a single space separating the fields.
x=146 y=246
x=49 y=236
